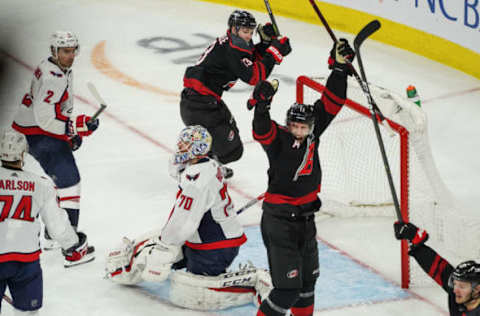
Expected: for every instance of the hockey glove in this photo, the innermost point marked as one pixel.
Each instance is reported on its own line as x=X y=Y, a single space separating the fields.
x=262 y=95
x=266 y=33
x=412 y=233
x=279 y=49
x=340 y=53
x=75 y=142
x=82 y=126
x=78 y=253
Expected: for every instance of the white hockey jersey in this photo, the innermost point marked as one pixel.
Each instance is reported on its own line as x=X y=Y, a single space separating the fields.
x=46 y=108
x=24 y=197
x=203 y=216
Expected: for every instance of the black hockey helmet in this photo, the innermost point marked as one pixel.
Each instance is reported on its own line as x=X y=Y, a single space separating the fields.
x=468 y=271
x=240 y=18
x=302 y=113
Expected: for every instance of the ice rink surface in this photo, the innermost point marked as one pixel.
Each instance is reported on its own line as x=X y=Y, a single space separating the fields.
x=135 y=52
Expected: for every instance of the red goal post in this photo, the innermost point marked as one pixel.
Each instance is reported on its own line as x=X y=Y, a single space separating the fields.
x=302 y=83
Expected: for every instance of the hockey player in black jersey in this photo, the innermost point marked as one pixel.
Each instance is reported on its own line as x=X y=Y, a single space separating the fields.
x=231 y=57
x=288 y=226
x=461 y=283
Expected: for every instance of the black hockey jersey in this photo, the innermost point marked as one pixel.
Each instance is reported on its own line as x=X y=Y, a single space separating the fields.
x=224 y=62
x=439 y=270
x=294 y=175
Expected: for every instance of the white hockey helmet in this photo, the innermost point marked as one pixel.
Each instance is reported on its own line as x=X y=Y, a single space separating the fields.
x=63 y=39
x=198 y=143
x=12 y=146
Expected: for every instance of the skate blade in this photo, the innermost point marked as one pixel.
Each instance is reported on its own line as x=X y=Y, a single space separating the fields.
x=87 y=258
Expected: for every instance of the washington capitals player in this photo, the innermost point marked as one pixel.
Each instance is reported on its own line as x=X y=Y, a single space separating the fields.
x=45 y=118
x=288 y=226
x=202 y=235
x=25 y=198
x=231 y=57
x=461 y=283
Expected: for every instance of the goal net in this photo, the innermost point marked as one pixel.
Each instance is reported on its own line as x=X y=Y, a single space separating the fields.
x=354 y=182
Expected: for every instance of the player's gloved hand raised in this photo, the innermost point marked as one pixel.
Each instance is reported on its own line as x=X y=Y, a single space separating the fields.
x=412 y=233
x=262 y=95
x=279 y=48
x=82 y=126
x=266 y=32
x=340 y=53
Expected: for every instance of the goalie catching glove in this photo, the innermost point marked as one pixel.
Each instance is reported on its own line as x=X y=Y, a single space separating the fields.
x=340 y=53
x=262 y=95
x=410 y=232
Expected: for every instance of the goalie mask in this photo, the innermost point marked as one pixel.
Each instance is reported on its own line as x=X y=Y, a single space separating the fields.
x=240 y=18
x=61 y=39
x=193 y=142
x=12 y=146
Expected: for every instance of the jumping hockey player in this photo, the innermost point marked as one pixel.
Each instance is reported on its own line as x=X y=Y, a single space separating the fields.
x=231 y=57
x=462 y=283
x=24 y=197
x=294 y=176
x=45 y=118
x=202 y=235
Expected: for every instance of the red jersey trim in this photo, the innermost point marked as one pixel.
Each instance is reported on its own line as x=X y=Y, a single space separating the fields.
x=69 y=198
x=284 y=199
x=198 y=86
x=227 y=243
x=302 y=311
x=35 y=130
x=232 y=289
x=330 y=106
x=22 y=257
x=255 y=75
x=268 y=138
x=332 y=96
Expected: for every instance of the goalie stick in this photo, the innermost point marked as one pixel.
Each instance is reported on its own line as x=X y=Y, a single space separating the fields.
x=368 y=30
x=251 y=203
x=99 y=99
x=272 y=18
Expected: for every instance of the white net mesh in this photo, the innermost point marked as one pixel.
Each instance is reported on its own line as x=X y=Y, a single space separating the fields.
x=355 y=183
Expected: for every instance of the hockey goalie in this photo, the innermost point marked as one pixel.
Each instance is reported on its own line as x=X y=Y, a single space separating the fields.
x=198 y=243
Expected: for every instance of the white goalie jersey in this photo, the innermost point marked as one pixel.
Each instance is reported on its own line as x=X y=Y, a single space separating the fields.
x=48 y=105
x=24 y=198
x=203 y=216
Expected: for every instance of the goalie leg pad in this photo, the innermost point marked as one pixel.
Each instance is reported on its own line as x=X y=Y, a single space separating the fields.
x=211 y=293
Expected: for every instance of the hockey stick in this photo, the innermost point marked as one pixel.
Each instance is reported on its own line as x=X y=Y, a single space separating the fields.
x=368 y=30
x=8 y=299
x=96 y=95
x=251 y=203
x=272 y=18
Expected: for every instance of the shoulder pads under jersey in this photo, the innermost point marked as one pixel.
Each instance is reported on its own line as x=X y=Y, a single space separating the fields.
x=200 y=174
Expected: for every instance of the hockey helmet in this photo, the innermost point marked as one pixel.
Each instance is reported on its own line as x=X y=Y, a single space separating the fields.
x=301 y=113
x=12 y=146
x=240 y=18
x=197 y=143
x=468 y=271
x=63 y=39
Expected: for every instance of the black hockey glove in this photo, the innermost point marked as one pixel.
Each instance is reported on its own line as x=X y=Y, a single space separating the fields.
x=262 y=95
x=412 y=233
x=266 y=33
x=340 y=53
x=279 y=49
x=75 y=142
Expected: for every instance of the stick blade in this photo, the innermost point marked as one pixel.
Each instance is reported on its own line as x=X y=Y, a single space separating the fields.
x=367 y=30
x=95 y=94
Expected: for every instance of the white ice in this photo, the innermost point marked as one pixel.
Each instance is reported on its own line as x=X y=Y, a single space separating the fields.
x=125 y=186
